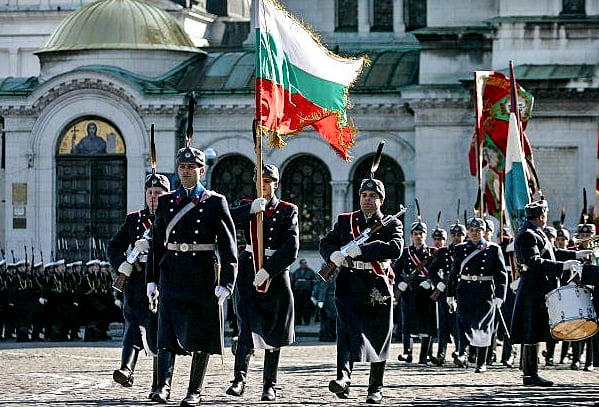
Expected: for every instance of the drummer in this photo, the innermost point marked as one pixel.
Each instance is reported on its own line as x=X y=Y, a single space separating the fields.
x=541 y=264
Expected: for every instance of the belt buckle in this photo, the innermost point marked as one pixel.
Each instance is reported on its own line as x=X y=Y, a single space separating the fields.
x=474 y=277
x=183 y=247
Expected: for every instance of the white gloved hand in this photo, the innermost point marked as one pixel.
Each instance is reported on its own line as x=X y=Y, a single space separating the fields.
x=441 y=286
x=152 y=291
x=118 y=303
x=221 y=293
x=261 y=276
x=569 y=264
x=313 y=300
x=143 y=245
x=403 y=286
x=258 y=205
x=42 y=300
x=426 y=284
x=320 y=304
x=497 y=302
x=510 y=247
x=338 y=258
x=581 y=254
x=514 y=284
x=353 y=250
x=450 y=300
x=452 y=303
x=76 y=304
x=125 y=268
x=576 y=274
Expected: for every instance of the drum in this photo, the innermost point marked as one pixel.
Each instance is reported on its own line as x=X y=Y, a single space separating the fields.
x=572 y=316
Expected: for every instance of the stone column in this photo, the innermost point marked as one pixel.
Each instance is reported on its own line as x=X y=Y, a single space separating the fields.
x=339 y=202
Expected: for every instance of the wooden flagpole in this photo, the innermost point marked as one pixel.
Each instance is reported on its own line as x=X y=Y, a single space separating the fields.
x=479 y=147
x=257 y=132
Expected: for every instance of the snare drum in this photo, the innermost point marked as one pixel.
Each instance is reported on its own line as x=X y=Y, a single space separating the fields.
x=572 y=316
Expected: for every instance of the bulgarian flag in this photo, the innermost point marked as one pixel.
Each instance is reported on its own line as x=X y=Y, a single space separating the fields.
x=299 y=82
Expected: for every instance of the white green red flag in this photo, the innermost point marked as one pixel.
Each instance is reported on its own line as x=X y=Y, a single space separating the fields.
x=299 y=82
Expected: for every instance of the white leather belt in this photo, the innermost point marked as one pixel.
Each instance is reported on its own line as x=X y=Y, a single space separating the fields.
x=143 y=258
x=191 y=247
x=267 y=252
x=474 y=277
x=366 y=265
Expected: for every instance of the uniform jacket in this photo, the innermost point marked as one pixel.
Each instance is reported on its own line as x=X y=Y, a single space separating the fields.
x=541 y=265
x=364 y=298
x=268 y=315
x=187 y=307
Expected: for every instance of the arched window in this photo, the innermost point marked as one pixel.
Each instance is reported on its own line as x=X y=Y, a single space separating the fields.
x=306 y=182
x=573 y=8
x=414 y=14
x=347 y=16
x=391 y=175
x=233 y=176
x=91 y=182
x=382 y=15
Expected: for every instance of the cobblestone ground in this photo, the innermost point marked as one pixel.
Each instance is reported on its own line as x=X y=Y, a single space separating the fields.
x=80 y=374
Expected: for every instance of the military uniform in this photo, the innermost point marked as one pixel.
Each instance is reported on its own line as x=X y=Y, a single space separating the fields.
x=183 y=264
x=478 y=281
x=364 y=294
x=265 y=314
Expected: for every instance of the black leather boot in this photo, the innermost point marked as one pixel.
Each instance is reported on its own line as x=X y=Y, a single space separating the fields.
x=166 y=365
x=481 y=359
x=425 y=346
x=154 y=377
x=530 y=367
x=242 y=364
x=340 y=386
x=124 y=375
x=375 y=383
x=549 y=352
x=271 y=365
x=406 y=356
x=588 y=359
x=199 y=363
x=576 y=353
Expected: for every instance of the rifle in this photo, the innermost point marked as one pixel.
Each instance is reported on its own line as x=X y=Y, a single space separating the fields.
x=121 y=278
x=328 y=269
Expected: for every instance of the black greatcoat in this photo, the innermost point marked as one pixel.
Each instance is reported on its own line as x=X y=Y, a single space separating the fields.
x=140 y=323
x=187 y=307
x=269 y=316
x=530 y=320
x=417 y=308
x=476 y=312
x=363 y=298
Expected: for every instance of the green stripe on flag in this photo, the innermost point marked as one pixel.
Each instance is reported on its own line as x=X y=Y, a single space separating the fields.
x=274 y=65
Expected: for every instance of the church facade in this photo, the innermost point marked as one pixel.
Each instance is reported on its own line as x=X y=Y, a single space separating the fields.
x=77 y=105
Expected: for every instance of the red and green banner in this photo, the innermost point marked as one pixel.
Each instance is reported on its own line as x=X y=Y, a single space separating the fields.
x=299 y=82
x=489 y=142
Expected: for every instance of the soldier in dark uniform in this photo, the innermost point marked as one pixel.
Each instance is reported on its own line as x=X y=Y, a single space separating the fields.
x=440 y=268
x=23 y=301
x=264 y=302
x=478 y=281
x=184 y=274
x=364 y=289
x=323 y=296
x=541 y=266
x=414 y=287
x=3 y=300
x=140 y=323
x=40 y=310
x=303 y=280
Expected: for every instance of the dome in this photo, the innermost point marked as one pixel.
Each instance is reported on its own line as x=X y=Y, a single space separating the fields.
x=119 y=25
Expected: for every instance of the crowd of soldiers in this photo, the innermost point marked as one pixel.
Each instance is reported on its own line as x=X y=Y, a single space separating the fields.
x=424 y=313
x=53 y=301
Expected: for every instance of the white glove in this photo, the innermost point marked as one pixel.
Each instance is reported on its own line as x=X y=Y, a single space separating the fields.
x=426 y=285
x=450 y=301
x=576 y=273
x=125 y=268
x=43 y=301
x=76 y=304
x=403 y=286
x=221 y=293
x=338 y=258
x=582 y=254
x=320 y=304
x=152 y=291
x=313 y=300
x=569 y=264
x=118 y=303
x=261 y=276
x=353 y=250
x=497 y=302
x=441 y=286
x=258 y=205
x=514 y=284
x=510 y=247
x=142 y=245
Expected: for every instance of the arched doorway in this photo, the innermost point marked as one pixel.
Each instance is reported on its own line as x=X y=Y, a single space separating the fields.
x=91 y=182
x=306 y=182
x=233 y=176
x=391 y=175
